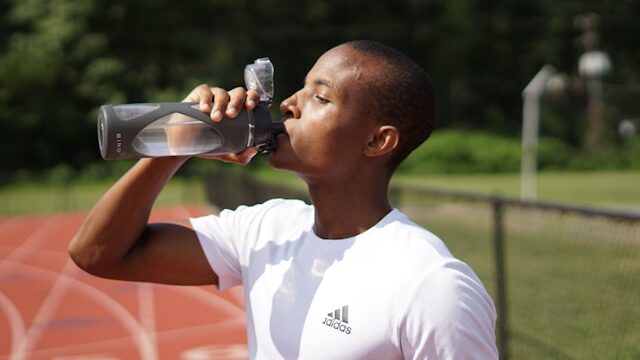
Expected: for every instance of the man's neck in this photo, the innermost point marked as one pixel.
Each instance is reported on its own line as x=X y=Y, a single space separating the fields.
x=347 y=209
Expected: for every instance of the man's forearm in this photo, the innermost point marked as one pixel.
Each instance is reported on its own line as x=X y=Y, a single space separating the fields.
x=119 y=218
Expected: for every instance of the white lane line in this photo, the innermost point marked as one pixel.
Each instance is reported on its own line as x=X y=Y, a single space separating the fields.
x=138 y=335
x=48 y=252
x=218 y=328
x=43 y=315
x=21 y=251
x=147 y=312
x=15 y=321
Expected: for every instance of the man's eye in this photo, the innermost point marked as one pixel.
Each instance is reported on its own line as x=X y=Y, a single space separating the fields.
x=321 y=100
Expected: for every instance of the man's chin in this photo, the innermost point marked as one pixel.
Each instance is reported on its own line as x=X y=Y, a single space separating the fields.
x=274 y=159
x=278 y=160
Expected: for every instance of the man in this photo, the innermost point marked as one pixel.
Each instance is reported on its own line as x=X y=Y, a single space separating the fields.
x=346 y=278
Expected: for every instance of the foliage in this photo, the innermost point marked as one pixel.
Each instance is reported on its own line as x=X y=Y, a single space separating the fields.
x=61 y=59
x=456 y=151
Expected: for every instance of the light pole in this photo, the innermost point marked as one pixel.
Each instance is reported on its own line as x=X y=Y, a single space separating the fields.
x=530 y=124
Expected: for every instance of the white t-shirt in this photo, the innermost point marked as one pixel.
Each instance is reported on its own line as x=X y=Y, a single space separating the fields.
x=392 y=292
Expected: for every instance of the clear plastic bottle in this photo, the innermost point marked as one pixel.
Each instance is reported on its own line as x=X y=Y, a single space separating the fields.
x=130 y=131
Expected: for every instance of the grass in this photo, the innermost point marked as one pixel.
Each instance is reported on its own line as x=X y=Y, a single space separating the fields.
x=571 y=281
x=36 y=197
x=601 y=189
x=609 y=189
x=615 y=189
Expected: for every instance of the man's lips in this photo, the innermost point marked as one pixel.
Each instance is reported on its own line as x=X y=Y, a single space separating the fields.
x=283 y=130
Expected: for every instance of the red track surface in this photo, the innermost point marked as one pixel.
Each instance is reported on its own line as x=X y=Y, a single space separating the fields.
x=50 y=309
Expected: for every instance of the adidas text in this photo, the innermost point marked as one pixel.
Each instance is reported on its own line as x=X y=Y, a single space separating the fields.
x=337 y=324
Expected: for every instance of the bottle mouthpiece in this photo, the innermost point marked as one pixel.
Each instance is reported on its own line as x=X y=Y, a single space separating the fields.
x=259 y=77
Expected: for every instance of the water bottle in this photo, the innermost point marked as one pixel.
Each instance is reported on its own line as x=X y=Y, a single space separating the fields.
x=131 y=131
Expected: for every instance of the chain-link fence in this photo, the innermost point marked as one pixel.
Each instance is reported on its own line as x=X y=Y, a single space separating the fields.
x=565 y=279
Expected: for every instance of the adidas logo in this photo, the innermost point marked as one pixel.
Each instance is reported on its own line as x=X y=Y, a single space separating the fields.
x=338 y=319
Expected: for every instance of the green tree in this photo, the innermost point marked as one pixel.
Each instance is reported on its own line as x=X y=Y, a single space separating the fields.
x=61 y=59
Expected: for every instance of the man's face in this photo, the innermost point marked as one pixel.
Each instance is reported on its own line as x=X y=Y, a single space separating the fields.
x=326 y=126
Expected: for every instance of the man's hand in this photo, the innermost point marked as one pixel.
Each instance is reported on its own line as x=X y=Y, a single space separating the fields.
x=220 y=104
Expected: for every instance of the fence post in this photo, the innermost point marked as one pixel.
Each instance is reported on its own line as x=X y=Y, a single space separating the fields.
x=501 y=281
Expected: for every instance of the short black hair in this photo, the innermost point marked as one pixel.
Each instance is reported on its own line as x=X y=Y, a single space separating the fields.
x=402 y=94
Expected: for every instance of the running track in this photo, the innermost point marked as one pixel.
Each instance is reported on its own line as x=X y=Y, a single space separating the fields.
x=50 y=309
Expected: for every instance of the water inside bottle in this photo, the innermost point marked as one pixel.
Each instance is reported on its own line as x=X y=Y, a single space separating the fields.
x=176 y=134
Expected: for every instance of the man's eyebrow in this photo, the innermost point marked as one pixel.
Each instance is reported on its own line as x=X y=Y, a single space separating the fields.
x=321 y=81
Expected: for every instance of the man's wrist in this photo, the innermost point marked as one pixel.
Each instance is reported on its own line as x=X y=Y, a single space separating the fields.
x=164 y=165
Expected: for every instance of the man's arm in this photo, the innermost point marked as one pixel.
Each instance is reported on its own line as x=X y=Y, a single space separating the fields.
x=115 y=241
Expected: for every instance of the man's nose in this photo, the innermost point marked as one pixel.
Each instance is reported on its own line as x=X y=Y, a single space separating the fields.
x=289 y=107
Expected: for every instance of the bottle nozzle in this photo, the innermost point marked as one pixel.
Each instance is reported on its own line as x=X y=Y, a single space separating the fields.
x=277 y=128
x=259 y=76
x=271 y=143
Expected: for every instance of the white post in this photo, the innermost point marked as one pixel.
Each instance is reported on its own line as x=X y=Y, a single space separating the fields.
x=530 y=123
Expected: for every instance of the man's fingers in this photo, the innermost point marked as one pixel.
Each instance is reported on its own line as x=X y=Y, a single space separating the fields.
x=236 y=102
x=253 y=98
x=201 y=95
x=220 y=100
x=220 y=103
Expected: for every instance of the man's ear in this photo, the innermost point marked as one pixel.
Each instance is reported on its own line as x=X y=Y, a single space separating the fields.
x=382 y=141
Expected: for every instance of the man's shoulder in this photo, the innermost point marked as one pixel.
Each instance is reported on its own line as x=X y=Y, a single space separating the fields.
x=417 y=254
x=411 y=239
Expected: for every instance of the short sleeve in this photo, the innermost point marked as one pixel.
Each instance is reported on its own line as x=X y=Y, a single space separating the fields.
x=450 y=316
x=229 y=238
x=217 y=238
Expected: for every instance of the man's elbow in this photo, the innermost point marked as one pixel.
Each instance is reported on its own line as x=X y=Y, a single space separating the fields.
x=87 y=257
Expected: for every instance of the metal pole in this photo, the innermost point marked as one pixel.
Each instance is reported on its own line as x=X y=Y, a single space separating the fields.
x=529 y=166
x=530 y=123
x=501 y=281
